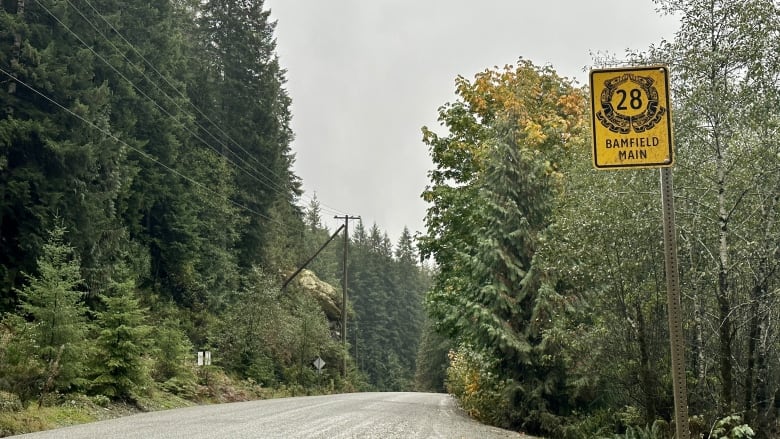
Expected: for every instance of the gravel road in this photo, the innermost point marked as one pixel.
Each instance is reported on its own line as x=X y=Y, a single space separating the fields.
x=352 y=415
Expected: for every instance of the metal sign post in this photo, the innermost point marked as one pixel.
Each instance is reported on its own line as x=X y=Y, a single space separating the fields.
x=674 y=308
x=319 y=363
x=632 y=128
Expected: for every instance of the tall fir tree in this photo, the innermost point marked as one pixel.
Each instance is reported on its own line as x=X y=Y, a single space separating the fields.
x=244 y=85
x=53 y=301
x=325 y=265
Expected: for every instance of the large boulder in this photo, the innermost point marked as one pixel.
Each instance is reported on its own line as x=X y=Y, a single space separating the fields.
x=326 y=294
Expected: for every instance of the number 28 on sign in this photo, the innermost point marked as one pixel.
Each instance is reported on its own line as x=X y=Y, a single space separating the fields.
x=631 y=118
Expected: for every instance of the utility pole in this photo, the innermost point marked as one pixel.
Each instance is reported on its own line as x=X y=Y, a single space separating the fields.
x=346 y=219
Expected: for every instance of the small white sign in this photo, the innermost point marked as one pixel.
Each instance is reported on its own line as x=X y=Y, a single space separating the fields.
x=319 y=363
x=204 y=358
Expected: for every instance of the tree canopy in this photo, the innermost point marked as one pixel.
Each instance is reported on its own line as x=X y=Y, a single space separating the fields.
x=149 y=201
x=550 y=278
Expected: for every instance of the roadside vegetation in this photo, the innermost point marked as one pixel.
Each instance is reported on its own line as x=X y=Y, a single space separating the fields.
x=550 y=282
x=149 y=211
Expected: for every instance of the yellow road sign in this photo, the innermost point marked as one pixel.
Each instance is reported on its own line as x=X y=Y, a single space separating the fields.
x=631 y=117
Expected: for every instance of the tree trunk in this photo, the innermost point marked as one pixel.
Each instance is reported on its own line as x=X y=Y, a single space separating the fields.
x=753 y=336
x=649 y=388
x=763 y=405
x=724 y=304
x=724 y=340
x=698 y=355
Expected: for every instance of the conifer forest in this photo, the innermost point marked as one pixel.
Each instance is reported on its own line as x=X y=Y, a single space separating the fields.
x=149 y=212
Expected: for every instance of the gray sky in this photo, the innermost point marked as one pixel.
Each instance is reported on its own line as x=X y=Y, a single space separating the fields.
x=366 y=75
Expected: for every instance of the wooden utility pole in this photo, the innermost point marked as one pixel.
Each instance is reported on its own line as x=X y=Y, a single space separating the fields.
x=346 y=219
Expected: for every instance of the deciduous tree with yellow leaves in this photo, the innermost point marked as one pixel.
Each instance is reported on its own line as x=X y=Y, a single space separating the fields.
x=491 y=194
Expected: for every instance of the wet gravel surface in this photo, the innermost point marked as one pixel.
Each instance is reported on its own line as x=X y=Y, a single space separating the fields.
x=353 y=415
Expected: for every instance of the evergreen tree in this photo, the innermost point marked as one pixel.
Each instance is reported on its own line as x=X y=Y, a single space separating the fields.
x=431 y=365
x=326 y=264
x=21 y=370
x=58 y=149
x=172 y=350
x=55 y=305
x=180 y=208
x=313 y=214
x=386 y=294
x=493 y=192
x=121 y=343
x=285 y=234
x=244 y=87
x=410 y=286
x=505 y=304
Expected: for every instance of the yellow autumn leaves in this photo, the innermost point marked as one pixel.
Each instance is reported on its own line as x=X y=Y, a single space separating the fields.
x=545 y=108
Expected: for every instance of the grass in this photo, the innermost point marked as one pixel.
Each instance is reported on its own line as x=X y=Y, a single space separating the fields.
x=70 y=409
x=34 y=419
x=80 y=409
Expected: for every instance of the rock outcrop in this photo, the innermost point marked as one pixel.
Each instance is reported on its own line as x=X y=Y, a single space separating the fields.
x=326 y=294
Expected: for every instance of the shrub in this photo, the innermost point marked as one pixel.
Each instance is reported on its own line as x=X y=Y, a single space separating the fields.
x=173 y=363
x=472 y=380
x=10 y=402
x=731 y=427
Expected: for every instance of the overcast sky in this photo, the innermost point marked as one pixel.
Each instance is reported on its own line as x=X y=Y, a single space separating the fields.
x=365 y=75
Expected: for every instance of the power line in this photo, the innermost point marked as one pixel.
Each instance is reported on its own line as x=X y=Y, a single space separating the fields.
x=145 y=95
x=279 y=188
x=142 y=153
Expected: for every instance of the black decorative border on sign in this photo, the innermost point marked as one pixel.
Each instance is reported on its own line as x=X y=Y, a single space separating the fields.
x=616 y=122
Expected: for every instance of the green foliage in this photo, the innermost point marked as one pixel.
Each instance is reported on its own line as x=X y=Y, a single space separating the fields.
x=21 y=371
x=658 y=430
x=474 y=379
x=731 y=427
x=493 y=193
x=144 y=145
x=121 y=342
x=248 y=332
x=272 y=337
x=432 y=361
x=9 y=402
x=586 y=425
x=55 y=306
x=326 y=265
x=725 y=116
x=173 y=359
x=243 y=84
x=386 y=292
